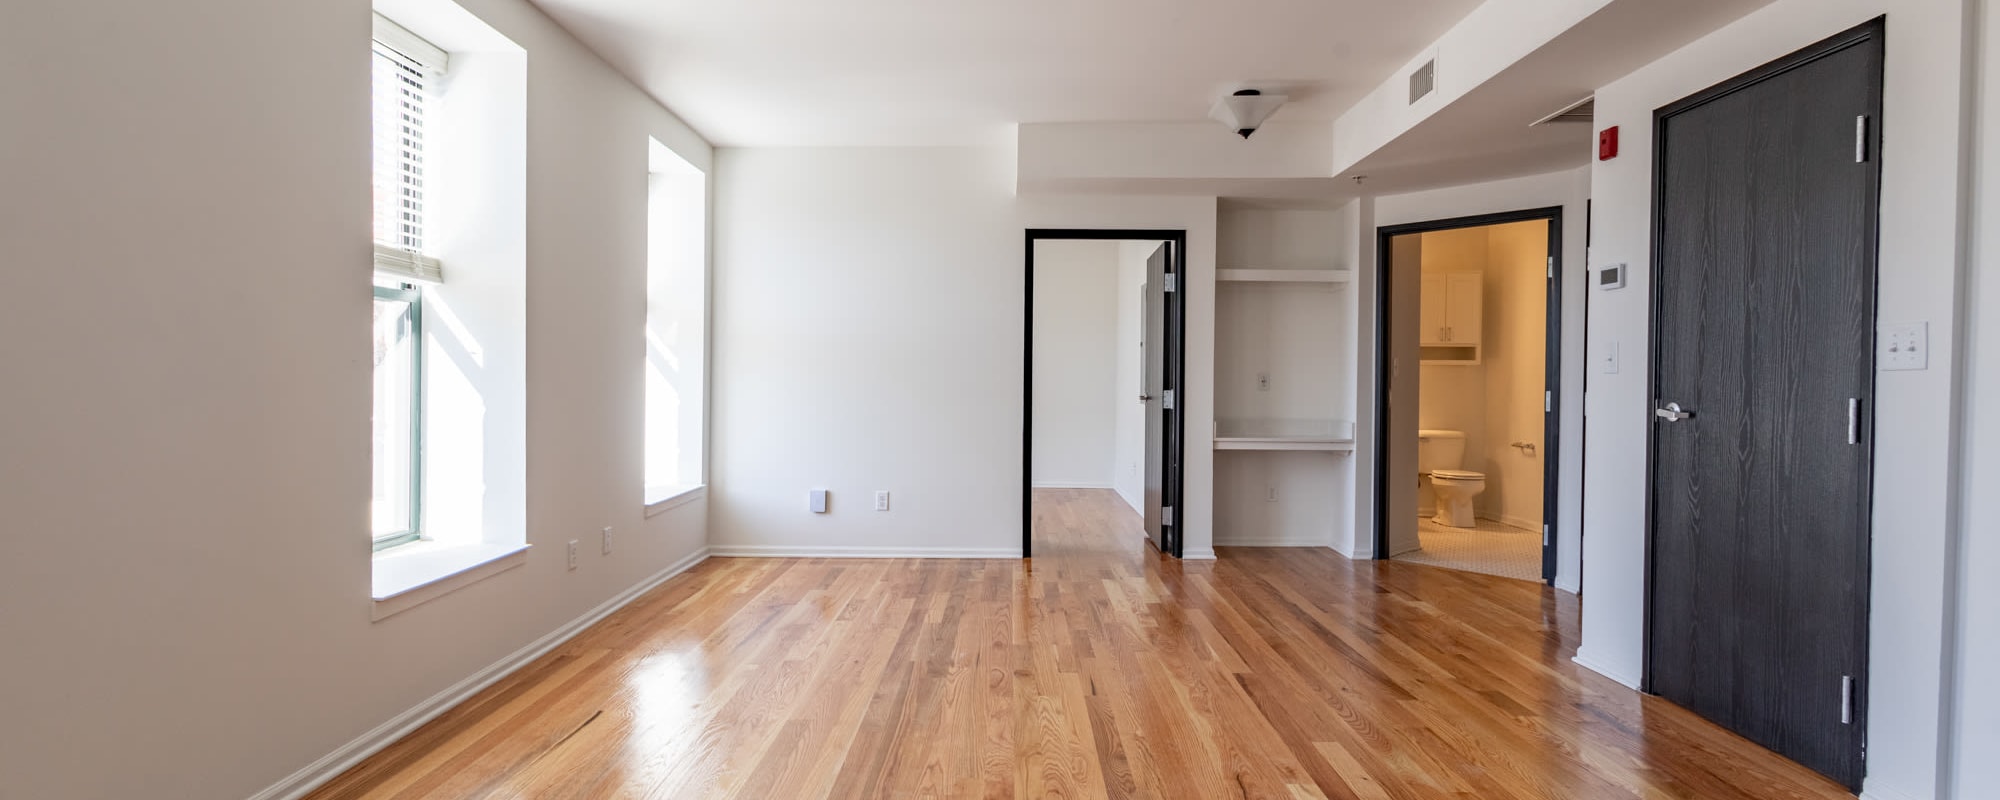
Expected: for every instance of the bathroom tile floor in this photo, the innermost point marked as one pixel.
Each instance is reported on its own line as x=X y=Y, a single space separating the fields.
x=1491 y=549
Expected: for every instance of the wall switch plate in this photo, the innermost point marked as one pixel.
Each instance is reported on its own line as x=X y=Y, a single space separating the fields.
x=881 y=501
x=1270 y=494
x=1607 y=358
x=816 y=501
x=1263 y=381
x=607 y=540
x=1904 y=347
x=572 y=554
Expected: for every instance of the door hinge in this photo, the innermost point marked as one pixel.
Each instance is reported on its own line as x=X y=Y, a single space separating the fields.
x=1847 y=699
x=1861 y=139
x=1548 y=402
x=1545 y=536
x=1167 y=399
x=1854 y=420
x=1552 y=266
x=1173 y=283
x=1166 y=515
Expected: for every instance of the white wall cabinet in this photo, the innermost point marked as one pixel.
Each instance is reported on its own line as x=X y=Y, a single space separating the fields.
x=1452 y=309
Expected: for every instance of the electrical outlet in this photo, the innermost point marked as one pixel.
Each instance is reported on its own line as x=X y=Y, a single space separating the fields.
x=881 y=501
x=1263 y=381
x=607 y=540
x=572 y=554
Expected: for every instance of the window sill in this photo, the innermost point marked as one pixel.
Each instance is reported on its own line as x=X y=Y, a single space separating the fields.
x=411 y=575
x=674 y=497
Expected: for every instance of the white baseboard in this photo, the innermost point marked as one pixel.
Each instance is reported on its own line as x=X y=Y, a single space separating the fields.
x=1883 y=793
x=1071 y=485
x=790 y=551
x=1198 y=555
x=1586 y=662
x=1512 y=521
x=1270 y=541
x=330 y=766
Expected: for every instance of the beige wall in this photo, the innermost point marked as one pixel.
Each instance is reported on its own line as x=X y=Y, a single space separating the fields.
x=1498 y=401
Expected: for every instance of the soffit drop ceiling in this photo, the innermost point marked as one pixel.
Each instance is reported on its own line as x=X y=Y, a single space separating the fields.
x=904 y=72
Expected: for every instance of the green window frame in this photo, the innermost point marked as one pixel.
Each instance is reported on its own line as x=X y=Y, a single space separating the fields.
x=411 y=327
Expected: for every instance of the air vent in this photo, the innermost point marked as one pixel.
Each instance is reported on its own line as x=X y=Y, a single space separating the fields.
x=1579 y=111
x=1423 y=81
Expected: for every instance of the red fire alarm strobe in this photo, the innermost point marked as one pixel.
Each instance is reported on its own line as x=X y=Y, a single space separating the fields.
x=1607 y=144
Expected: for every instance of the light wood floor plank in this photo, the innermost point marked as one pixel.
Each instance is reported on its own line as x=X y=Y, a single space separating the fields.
x=1097 y=670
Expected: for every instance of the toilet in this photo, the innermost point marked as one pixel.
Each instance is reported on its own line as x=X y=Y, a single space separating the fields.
x=1439 y=455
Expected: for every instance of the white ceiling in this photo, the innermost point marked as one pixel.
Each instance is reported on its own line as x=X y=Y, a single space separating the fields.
x=945 y=72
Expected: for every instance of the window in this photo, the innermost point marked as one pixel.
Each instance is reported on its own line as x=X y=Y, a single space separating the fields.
x=398 y=415
x=676 y=326
x=405 y=71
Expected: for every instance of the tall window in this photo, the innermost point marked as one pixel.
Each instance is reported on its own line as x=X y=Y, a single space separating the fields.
x=405 y=72
x=676 y=326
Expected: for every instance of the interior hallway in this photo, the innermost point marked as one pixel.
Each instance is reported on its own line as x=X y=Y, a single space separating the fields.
x=1096 y=670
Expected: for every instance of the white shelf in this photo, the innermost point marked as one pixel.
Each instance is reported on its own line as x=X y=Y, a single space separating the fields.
x=1330 y=436
x=1285 y=275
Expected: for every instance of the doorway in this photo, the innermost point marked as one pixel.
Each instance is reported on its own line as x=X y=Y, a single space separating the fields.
x=1105 y=344
x=1767 y=195
x=1469 y=377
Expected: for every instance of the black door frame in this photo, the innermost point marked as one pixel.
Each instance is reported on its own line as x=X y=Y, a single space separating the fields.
x=1552 y=416
x=1875 y=31
x=1174 y=448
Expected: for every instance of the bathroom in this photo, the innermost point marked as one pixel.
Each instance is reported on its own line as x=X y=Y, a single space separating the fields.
x=1482 y=331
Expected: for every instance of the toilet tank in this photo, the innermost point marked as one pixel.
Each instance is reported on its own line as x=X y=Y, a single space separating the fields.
x=1440 y=450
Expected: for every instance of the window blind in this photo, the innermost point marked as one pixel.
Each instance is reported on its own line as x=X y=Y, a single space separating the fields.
x=406 y=69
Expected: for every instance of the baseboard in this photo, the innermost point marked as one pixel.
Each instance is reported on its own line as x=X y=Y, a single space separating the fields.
x=791 y=551
x=1071 y=485
x=1270 y=541
x=1513 y=522
x=1884 y=793
x=330 y=766
x=1198 y=555
x=1586 y=662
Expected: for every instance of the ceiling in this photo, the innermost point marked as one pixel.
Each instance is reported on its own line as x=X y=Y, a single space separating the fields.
x=908 y=72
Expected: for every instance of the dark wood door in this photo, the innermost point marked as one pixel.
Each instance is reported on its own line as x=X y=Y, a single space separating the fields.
x=1154 y=383
x=1764 y=276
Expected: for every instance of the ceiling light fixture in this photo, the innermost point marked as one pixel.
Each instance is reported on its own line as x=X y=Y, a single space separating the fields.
x=1245 y=110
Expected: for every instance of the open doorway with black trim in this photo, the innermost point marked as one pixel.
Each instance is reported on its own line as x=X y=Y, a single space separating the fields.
x=1102 y=430
x=1469 y=393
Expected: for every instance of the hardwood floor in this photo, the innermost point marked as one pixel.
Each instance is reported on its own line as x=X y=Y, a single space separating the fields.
x=1097 y=670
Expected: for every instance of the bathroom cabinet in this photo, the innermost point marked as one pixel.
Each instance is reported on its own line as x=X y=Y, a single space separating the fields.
x=1449 y=317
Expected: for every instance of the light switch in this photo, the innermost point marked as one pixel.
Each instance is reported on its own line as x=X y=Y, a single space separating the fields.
x=1607 y=358
x=1904 y=347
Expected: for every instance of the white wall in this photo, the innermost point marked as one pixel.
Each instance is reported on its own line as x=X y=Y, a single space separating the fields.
x=1976 y=716
x=184 y=317
x=1128 y=461
x=869 y=314
x=1570 y=190
x=1920 y=256
x=1075 y=365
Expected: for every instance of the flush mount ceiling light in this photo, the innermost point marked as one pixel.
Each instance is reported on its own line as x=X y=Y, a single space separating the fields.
x=1245 y=110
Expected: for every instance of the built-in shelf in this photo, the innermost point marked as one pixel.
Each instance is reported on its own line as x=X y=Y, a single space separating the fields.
x=1285 y=275
x=1331 y=436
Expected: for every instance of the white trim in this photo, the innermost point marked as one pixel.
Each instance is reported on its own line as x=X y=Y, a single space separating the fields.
x=411 y=46
x=1586 y=662
x=331 y=765
x=1071 y=485
x=1198 y=555
x=1511 y=521
x=673 y=501
x=1884 y=793
x=1269 y=541
x=409 y=576
x=788 y=551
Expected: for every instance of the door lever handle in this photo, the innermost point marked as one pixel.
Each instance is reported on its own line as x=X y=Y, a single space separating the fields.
x=1673 y=413
x=1145 y=398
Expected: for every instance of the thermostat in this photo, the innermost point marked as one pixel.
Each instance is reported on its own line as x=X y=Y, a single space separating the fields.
x=1611 y=277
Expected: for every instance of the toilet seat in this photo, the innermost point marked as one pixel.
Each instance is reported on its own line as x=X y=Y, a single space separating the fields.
x=1457 y=475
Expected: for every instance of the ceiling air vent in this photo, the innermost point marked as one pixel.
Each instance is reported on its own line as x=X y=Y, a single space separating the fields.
x=1579 y=111
x=1423 y=81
